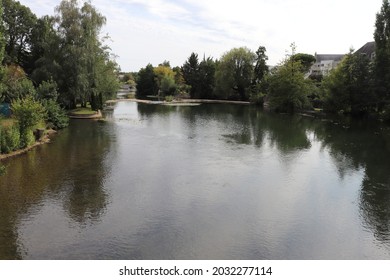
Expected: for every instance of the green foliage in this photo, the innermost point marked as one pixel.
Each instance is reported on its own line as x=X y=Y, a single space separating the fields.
x=46 y=55
x=288 y=89
x=306 y=60
x=56 y=117
x=261 y=67
x=87 y=70
x=257 y=98
x=234 y=74
x=200 y=76
x=348 y=87
x=168 y=86
x=47 y=90
x=206 y=78
x=9 y=138
x=165 y=79
x=15 y=84
x=29 y=113
x=18 y=25
x=382 y=53
x=190 y=70
x=169 y=98
x=146 y=82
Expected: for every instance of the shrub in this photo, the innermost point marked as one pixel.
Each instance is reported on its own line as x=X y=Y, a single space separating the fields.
x=56 y=117
x=9 y=138
x=29 y=113
x=257 y=98
x=47 y=90
x=169 y=98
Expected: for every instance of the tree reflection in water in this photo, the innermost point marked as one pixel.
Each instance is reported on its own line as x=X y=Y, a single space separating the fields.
x=60 y=170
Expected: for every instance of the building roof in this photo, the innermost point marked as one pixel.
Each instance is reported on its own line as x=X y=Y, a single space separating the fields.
x=334 y=57
x=368 y=49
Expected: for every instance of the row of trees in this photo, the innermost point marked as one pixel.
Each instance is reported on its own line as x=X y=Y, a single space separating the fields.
x=65 y=50
x=357 y=86
x=235 y=76
x=50 y=64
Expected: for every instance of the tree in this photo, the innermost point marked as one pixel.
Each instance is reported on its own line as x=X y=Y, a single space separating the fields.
x=288 y=88
x=261 y=67
x=146 y=82
x=382 y=53
x=82 y=50
x=15 y=84
x=18 y=23
x=235 y=73
x=107 y=83
x=348 y=87
x=46 y=52
x=306 y=60
x=29 y=113
x=190 y=70
x=48 y=90
x=206 y=78
x=168 y=86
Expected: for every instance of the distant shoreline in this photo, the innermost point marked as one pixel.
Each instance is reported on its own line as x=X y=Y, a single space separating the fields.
x=205 y=101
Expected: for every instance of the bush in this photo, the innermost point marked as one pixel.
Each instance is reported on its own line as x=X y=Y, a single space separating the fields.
x=169 y=98
x=9 y=138
x=27 y=138
x=29 y=113
x=47 y=90
x=56 y=117
x=288 y=89
x=257 y=98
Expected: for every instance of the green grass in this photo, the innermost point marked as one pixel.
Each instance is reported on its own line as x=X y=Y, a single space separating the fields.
x=82 y=111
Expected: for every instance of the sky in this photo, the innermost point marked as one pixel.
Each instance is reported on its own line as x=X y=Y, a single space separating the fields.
x=153 y=31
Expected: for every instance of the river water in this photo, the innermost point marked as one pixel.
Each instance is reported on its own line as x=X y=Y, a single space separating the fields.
x=200 y=182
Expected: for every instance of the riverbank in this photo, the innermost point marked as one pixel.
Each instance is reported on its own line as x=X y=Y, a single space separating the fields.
x=45 y=139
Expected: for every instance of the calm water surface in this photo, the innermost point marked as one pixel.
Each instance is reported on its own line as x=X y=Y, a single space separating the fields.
x=203 y=182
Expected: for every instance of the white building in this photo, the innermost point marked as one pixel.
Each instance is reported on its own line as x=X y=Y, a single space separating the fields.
x=324 y=64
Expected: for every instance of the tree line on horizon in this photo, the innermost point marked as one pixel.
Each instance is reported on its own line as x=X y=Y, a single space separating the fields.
x=357 y=85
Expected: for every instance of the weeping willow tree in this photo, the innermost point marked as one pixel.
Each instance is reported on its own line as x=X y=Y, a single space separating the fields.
x=84 y=57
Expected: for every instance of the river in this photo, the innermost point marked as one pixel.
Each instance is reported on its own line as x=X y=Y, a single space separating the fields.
x=200 y=182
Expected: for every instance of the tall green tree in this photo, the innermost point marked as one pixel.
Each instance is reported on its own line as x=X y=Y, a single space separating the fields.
x=146 y=82
x=81 y=53
x=235 y=73
x=348 y=87
x=382 y=60
x=206 y=78
x=18 y=24
x=261 y=67
x=306 y=60
x=190 y=70
x=288 y=88
x=46 y=52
